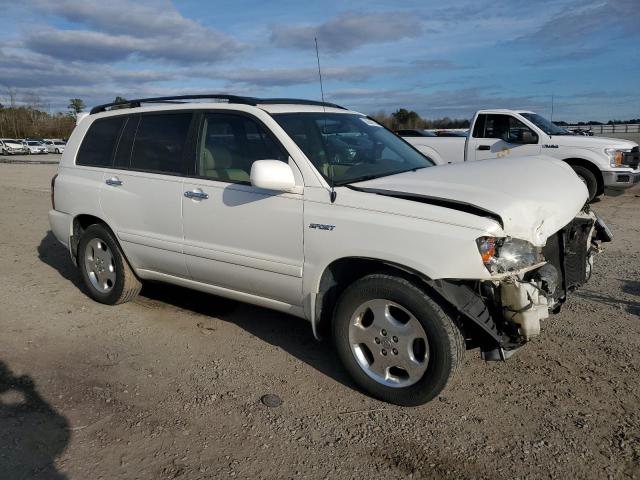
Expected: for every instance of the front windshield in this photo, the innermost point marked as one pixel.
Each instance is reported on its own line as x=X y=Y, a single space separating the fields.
x=35 y=144
x=547 y=126
x=349 y=147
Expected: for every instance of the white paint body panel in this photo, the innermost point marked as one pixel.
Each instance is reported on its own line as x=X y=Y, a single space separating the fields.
x=256 y=245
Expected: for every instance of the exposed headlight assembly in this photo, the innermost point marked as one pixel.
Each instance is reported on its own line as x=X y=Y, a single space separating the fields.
x=508 y=254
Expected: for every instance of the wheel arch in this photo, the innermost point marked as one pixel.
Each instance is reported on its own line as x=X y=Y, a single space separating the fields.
x=592 y=167
x=342 y=272
x=80 y=223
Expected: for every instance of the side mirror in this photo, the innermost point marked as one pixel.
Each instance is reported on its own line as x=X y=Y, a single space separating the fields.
x=272 y=175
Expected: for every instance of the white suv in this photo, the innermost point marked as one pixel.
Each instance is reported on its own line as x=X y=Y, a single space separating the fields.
x=320 y=212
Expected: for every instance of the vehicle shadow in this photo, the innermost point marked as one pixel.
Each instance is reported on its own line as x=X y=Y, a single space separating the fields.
x=32 y=433
x=54 y=254
x=628 y=286
x=292 y=334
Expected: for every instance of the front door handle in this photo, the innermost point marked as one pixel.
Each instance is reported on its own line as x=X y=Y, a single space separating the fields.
x=113 y=181
x=196 y=194
x=484 y=147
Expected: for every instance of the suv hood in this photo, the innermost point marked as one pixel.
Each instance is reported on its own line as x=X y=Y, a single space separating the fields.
x=533 y=197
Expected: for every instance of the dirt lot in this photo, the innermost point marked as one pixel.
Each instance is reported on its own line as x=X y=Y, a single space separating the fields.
x=169 y=386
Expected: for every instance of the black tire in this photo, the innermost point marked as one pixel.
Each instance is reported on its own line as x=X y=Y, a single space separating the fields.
x=445 y=339
x=588 y=178
x=126 y=286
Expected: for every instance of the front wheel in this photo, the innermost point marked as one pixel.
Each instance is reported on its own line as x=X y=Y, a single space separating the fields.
x=106 y=274
x=395 y=341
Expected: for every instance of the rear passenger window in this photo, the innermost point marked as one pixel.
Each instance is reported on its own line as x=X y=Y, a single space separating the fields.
x=99 y=143
x=123 y=153
x=229 y=144
x=160 y=142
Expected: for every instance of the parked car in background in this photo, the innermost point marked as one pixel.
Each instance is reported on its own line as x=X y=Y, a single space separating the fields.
x=35 y=147
x=451 y=133
x=10 y=146
x=414 y=133
x=54 y=146
x=599 y=162
x=321 y=212
x=587 y=132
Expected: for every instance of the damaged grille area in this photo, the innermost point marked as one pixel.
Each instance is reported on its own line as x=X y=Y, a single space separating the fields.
x=568 y=251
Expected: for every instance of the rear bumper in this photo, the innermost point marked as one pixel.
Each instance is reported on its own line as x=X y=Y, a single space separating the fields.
x=621 y=178
x=61 y=226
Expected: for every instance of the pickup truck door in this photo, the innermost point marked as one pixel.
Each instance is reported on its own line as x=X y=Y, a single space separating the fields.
x=501 y=135
x=237 y=236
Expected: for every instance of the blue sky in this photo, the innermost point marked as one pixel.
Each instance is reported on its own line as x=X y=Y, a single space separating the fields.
x=438 y=58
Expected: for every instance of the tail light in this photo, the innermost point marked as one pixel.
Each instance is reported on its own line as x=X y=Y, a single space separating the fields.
x=53 y=191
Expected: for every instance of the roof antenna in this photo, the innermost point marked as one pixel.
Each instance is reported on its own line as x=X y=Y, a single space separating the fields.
x=333 y=194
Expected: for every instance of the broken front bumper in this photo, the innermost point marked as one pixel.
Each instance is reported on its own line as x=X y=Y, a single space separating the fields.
x=521 y=301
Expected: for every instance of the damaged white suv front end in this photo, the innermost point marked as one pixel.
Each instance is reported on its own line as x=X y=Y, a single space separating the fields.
x=532 y=282
x=538 y=248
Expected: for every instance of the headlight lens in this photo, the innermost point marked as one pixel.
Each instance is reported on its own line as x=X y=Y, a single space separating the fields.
x=502 y=255
x=615 y=156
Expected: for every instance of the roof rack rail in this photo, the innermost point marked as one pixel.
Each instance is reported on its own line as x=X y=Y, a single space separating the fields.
x=229 y=98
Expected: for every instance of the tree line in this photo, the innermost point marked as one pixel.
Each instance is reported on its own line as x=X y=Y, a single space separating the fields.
x=408 y=119
x=31 y=120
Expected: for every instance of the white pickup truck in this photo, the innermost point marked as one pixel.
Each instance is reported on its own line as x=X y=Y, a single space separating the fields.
x=600 y=163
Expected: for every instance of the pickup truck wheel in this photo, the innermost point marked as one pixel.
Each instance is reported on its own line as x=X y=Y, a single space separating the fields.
x=106 y=274
x=395 y=341
x=588 y=178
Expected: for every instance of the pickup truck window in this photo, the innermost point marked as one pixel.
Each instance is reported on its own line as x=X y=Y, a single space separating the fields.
x=350 y=148
x=505 y=127
x=547 y=126
x=229 y=144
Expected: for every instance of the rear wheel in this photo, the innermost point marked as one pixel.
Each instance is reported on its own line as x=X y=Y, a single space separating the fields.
x=395 y=341
x=588 y=178
x=106 y=274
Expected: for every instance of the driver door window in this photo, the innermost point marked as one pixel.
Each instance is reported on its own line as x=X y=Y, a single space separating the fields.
x=229 y=144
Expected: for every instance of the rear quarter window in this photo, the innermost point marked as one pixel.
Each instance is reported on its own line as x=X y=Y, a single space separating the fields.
x=99 y=143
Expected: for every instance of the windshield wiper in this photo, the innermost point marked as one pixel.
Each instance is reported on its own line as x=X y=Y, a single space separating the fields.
x=364 y=178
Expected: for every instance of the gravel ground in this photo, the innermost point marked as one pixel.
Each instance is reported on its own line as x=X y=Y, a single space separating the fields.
x=49 y=158
x=169 y=386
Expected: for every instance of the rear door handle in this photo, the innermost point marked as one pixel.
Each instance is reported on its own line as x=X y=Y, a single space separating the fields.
x=113 y=181
x=484 y=147
x=196 y=194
